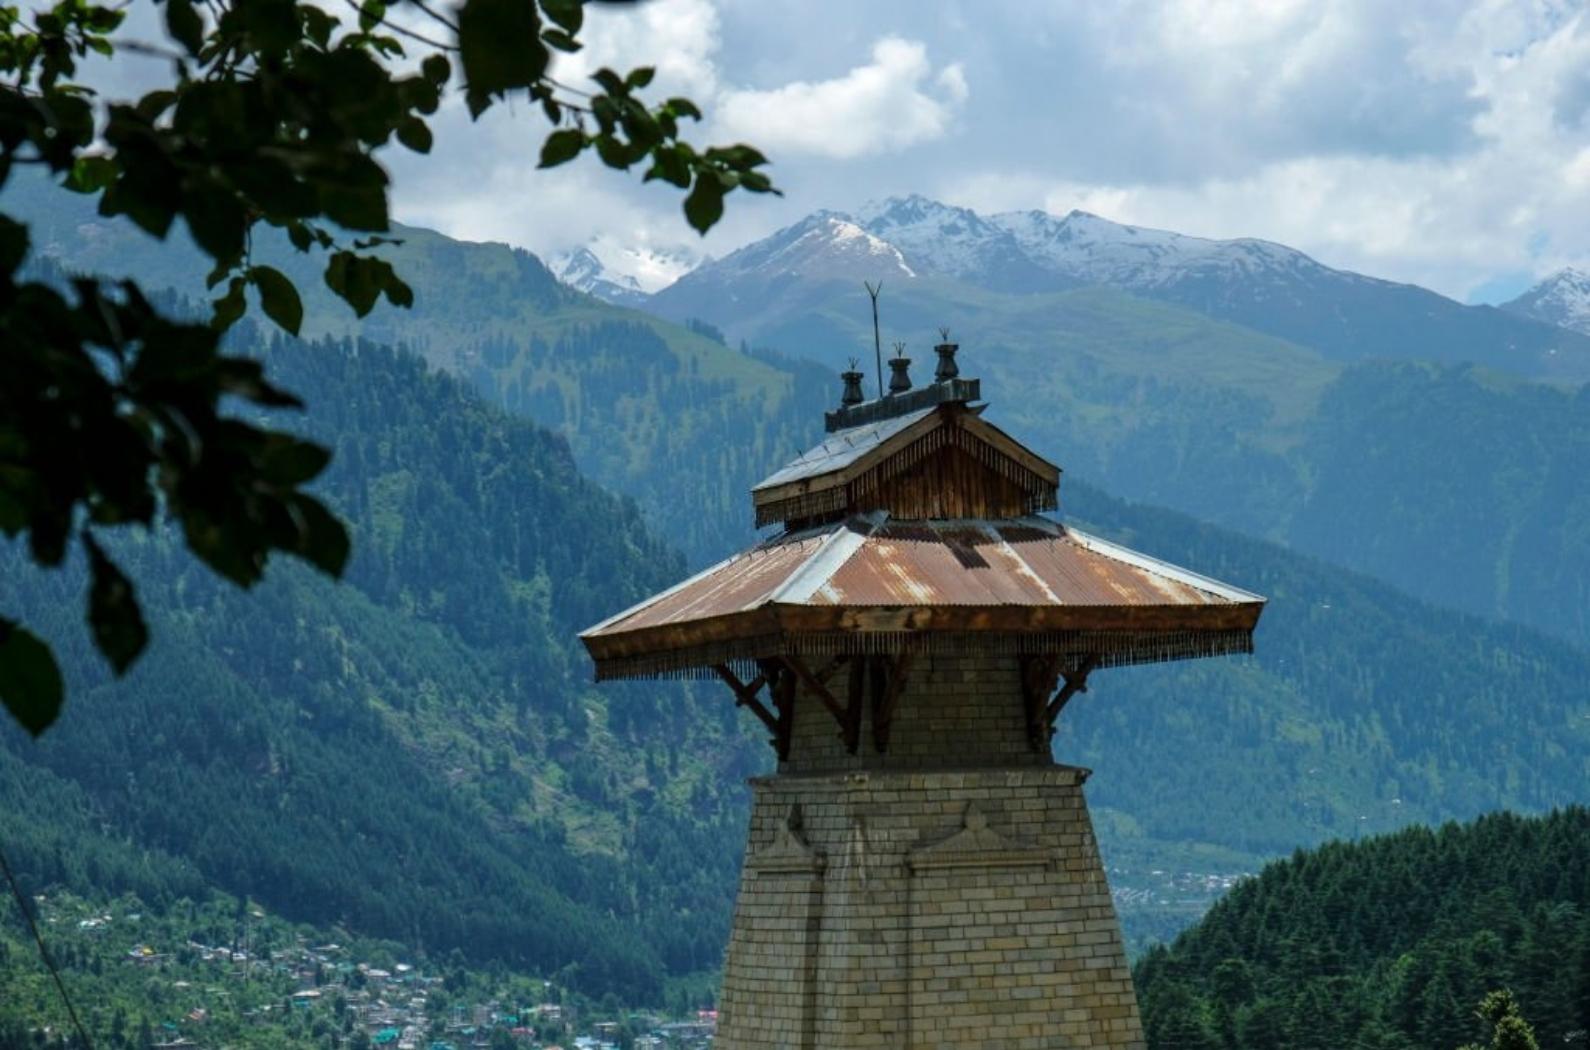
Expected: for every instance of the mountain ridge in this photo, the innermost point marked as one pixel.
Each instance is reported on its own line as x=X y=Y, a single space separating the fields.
x=1562 y=299
x=1260 y=284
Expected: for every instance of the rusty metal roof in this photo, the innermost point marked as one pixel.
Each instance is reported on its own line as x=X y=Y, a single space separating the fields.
x=873 y=576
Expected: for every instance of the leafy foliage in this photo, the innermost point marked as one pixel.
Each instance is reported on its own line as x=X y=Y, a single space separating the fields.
x=273 y=119
x=416 y=752
x=1387 y=943
x=111 y=411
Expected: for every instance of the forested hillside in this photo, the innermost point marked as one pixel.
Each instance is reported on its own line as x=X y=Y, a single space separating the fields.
x=416 y=752
x=1455 y=484
x=1387 y=944
x=1361 y=710
x=1462 y=486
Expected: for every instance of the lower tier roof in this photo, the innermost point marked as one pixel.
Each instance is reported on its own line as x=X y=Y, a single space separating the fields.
x=872 y=584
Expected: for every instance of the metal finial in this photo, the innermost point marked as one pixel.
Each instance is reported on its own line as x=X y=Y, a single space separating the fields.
x=899 y=369
x=947 y=368
x=852 y=394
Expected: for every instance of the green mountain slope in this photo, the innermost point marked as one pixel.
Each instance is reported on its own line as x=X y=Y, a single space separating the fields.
x=416 y=752
x=1151 y=400
x=482 y=549
x=1388 y=943
x=1463 y=487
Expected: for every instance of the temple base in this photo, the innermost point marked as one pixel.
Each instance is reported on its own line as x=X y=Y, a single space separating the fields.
x=925 y=911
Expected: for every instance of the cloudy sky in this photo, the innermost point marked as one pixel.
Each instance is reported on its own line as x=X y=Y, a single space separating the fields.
x=1445 y=143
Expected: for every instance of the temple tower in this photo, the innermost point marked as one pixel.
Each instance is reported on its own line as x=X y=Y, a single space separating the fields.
x=920 y=872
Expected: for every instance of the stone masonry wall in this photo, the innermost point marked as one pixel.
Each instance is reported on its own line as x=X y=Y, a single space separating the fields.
x=956 y=710
x=948 y=897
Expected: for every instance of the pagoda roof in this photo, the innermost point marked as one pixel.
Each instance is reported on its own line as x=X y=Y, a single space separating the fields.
x=826 y=477
x=872 y=583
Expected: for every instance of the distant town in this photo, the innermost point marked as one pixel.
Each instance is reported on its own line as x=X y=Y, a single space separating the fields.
x=271 y=985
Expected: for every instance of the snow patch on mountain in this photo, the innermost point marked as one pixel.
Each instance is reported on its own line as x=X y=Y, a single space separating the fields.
x=626 y=275
x=940 y=237
x=1563 y=299
x=1094 y=250
x=822 y=245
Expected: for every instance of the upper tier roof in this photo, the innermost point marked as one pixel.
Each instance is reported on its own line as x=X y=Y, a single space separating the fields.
x=942 y=460
x=869 y=582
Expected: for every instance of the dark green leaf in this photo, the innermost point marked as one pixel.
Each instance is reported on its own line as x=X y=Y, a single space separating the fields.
x=500 y=46
x=413 y=133
x=670 y=166
x=185 y=25
x=30 y=681
x=13 y=244
x=683 y=107
x=398 y=293
x=371 y=12
x=217 y=220
x=356 y=279
x=704 y=204
x=322 y=539
x=562 y=41
x=436 y=69
x=278 y=297
x=570 y=14
x=155 y=103
x=227 y=309
x=640 y=76
x=609 y=80
x=285 y=460
x=113 y=613
x=561 y=146
x=299 y=235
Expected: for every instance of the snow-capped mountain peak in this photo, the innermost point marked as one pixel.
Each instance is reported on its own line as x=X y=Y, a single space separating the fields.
x=1562 y=299
x=1094 y=250
x=626 y=276
x=946 y=239
x=824 y=244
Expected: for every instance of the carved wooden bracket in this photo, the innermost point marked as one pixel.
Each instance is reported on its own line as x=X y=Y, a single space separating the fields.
x=1039 y=675
x=879 y=679
x=781 y=693
x=888 y=680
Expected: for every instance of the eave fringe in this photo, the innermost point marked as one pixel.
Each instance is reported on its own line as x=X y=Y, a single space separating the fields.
x=1109 y=650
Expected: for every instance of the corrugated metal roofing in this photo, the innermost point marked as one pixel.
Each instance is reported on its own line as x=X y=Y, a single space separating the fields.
x=871 y=561
x=841 y=448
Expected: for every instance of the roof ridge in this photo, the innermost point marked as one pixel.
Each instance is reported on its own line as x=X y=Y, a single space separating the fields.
x=1127 y=556
x=827 y=559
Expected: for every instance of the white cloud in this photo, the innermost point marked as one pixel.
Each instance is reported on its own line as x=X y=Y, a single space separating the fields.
x=1445 y=142
x=679 y=38
x=890 y=103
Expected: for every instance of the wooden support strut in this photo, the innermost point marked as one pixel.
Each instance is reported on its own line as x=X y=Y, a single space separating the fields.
x=1076 y=682
x=1038 y=676
x=888 y=680
x=848 y=716
x=778 y=724
x=745 y=695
